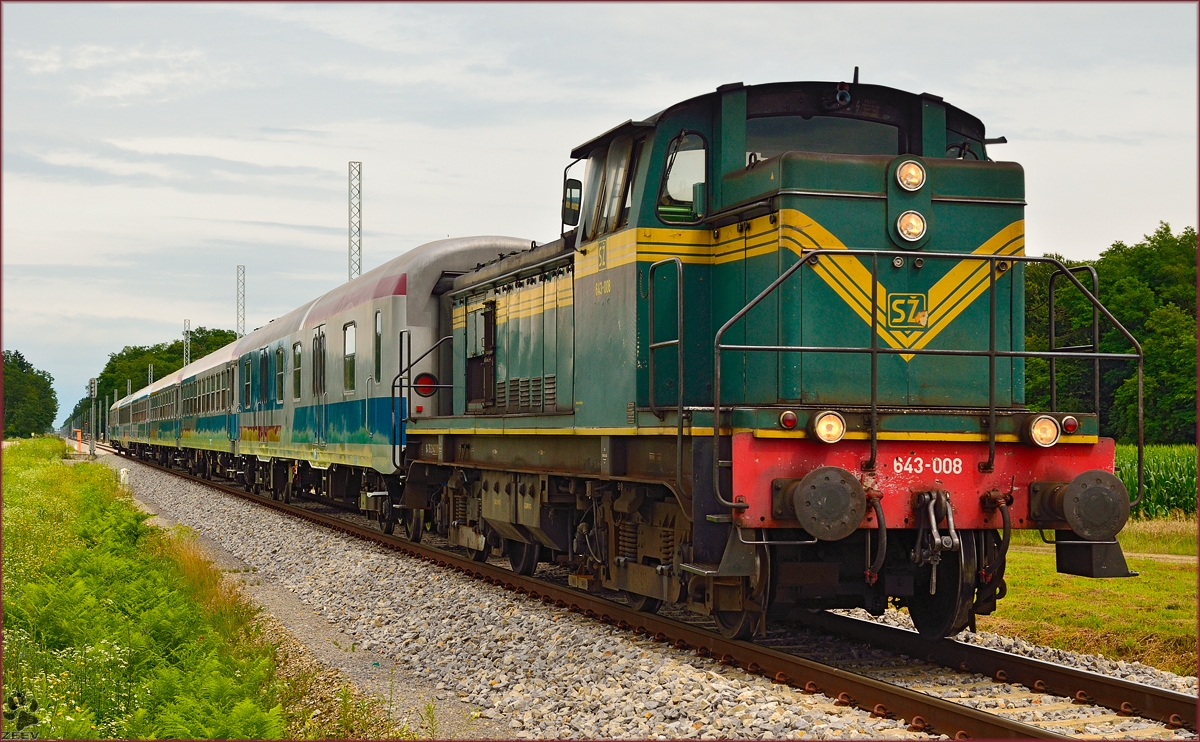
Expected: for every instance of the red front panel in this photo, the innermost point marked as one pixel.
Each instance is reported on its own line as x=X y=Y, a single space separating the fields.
x=908 y=467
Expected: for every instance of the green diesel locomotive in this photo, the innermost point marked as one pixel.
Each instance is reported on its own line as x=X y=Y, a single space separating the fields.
x=775 y=364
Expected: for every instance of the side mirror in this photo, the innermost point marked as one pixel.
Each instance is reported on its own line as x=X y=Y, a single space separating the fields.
x=699 y=199
x=572 y=198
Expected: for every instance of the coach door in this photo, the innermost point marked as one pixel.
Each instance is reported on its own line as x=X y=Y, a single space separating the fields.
x=264 y=391
x=318 y=385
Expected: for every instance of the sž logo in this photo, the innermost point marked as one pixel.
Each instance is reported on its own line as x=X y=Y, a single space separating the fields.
x=907 y=311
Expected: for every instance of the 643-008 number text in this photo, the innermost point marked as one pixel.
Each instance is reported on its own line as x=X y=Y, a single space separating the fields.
x=918 y=465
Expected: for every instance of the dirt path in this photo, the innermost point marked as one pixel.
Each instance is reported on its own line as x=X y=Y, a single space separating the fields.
x=1172 y=558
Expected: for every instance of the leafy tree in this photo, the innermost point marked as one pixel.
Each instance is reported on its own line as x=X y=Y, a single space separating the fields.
x=30 y=403
x=132 y=363
x=1150 y=287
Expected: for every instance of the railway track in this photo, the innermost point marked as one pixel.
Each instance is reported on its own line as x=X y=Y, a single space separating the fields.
x=881 y=692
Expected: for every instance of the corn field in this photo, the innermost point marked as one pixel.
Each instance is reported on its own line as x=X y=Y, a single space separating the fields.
x=1170 y=478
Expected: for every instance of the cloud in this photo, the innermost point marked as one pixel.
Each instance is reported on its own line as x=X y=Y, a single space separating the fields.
x=105 y=72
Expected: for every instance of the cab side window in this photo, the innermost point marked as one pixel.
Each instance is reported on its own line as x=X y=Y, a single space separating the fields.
x=592 y=193
x=685 y=169
x=616 y=170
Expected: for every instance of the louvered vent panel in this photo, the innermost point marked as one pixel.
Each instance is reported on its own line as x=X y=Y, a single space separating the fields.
x=524 y=392
x=551 y=391
x=535 y=392
x=514 y=392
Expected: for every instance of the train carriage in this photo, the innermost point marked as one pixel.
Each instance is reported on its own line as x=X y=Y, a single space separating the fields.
x=776 y=364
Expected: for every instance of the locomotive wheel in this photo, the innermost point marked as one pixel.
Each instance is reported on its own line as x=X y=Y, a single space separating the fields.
x=478 y=556
x=522 y=556
x=949 y=611
x=412 y=524
x=643 y=603
x=756 y=592
x=387 y=518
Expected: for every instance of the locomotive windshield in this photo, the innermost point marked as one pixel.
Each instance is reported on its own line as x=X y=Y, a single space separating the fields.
x=771 y=136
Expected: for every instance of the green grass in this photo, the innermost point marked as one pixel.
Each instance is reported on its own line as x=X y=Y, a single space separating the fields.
x=1170 y=478
x=1150 y=618
x=113 y=630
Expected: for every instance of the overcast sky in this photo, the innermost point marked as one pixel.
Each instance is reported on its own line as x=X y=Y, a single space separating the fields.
x=149 y=149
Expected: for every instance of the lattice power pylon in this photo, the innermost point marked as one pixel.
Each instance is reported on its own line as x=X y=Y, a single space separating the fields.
x=187 y=341
x=355 y=220
x=241 y=300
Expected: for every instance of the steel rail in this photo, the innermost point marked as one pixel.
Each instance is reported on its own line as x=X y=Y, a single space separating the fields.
x=925 y=713
x=1128 y=698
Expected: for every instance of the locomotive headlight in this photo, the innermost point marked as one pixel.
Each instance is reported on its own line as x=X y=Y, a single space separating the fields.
x=910 y=175
x=911 y=226
x=829 y=426
x=1043 y=431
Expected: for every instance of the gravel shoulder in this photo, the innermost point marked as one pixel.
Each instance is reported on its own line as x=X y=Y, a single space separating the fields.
x=324 y=646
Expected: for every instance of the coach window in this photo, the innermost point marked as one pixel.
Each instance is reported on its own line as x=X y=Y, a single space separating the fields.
x=280 y=362
x=685 y=169
x=296 y=350
x=246 y=385
x=378 y=345
x=348 y=366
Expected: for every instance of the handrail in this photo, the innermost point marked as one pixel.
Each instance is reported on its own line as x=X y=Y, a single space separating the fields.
x=678 y=343
x=1095 y=339
x=812 y=256
x=403 y=381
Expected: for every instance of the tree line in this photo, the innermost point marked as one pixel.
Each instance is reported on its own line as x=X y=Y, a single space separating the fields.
x=131 y=364
x=1150 y=288
x=30 y=402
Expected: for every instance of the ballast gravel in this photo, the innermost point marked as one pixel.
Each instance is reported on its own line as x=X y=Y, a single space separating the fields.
x=543 y=671
x=1134 y=672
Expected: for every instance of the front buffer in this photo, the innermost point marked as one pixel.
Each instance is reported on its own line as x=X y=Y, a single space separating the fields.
x=925 y=527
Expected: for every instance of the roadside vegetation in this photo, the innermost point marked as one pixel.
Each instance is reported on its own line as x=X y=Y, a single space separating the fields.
x=113 y=629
